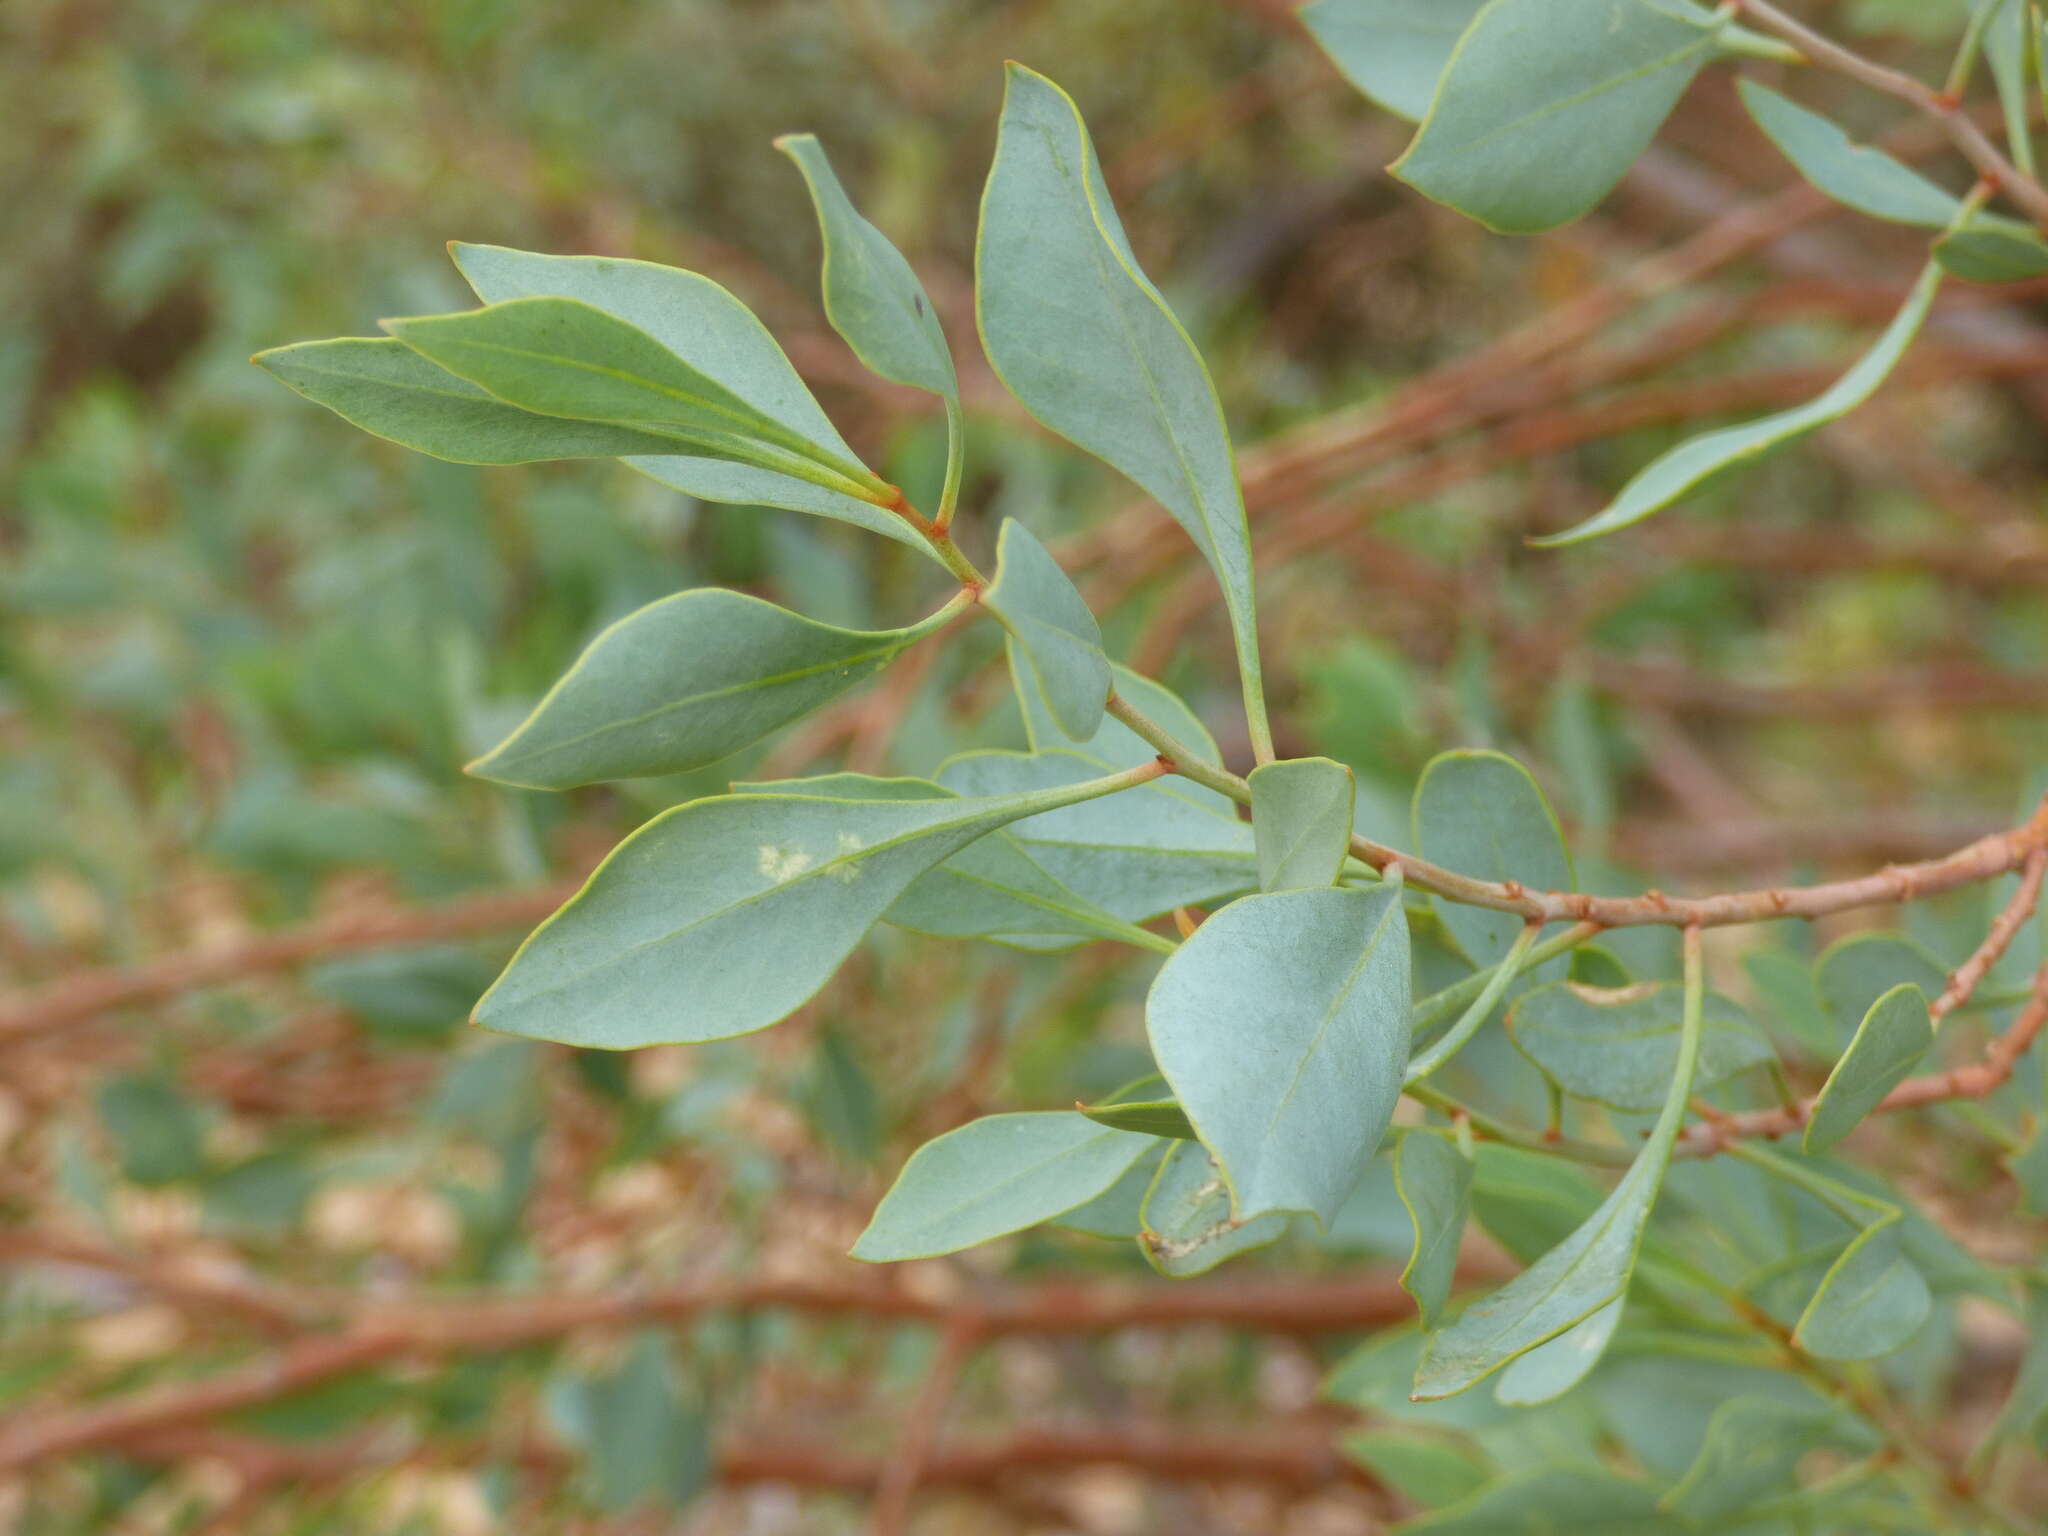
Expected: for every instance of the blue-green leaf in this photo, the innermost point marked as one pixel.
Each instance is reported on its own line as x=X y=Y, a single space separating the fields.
x=1282 y=1025
x=724 y=915
x=872 y=297
x=1481 y=814
x=1301 y=821
x=1154 y=1117
x=1855 y=972
x=1751 y=1452
x=1866 y=179
x=1554 y=1367
x=1551 y=1501
x=1187 y=1226
x=684 y=682
x=992 y=1176
x=1871 y=1301
x=1434 y=1181
x=1051 y=630
x=1118 y=1211
x=1619 y=1045
x=1890 y=1041
x=715 y=333
x=1546 y=103
x=1081 y=337
x=1992 y=250
x=1392 y=50
x=1691 y=464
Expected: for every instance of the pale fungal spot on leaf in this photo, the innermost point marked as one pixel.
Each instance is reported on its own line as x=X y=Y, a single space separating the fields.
x=780 y=864
x=1613 y=997
x=846 y=871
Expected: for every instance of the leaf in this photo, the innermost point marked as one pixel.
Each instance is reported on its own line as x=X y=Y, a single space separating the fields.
x=1580 y=1275
x=1301 y=821
x=156 y=1130
x=715 y=333
x=1187 y=1225
x=1158 y=849
x=1871 y=1301
x=1153 y=1117
x=646 y=1445
x=1552 y=1369
x=1481 y=814
x=1116 y=1212
x=991 y=889
x=1528 y=1202
x=1085 y=342
x=1692 y=463
x=993 y=1176
x=1866 y=179
x=684 y=682
x=1551 y=1501
x=1751 y=1452
x=1853 y=973
x=390 y=391
x=1434 y=1181
x=1546 y=103
x=2024 y=1417
x=724 y=915
x=1283 y=1027
x=1052 y=630
x=872 y=297
x=1392 y=50
x=1992 y=250
x=1424 y=1471
x=563 y=357
x=1618 y=1046
x=1893 y=1036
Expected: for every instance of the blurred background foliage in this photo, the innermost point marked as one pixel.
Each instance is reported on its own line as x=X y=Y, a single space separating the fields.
x=244 y=651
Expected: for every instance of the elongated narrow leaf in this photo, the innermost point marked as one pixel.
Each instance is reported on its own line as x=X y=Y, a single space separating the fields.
x=684 y=682
x=1691 y=464
x=1751 y=1452
x=993 y=1176
x=1554 y=1367
x=1583 y=1501
x=1158 y=849
x=563 y=357
x=1392 y=50
x=1481 y=814
x=1434 y=1181
x=1188 y=1227
x=1619 y=1045
x=724 y=915
x=1545 y=103
x=1283 y=1027
x=1855 y=972
x=715 y=333
x=872 y=297
x=991 y=889
x=1575 y=1279
x=1155 y=1117
x=1301 y=820
x=387 y=389
x=1890 y=1041
x=1871 y=1301
x=1081 y=337
x=1052 y=631
x=1866 y=179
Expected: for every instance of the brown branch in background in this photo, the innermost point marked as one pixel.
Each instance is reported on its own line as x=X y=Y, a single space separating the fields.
x=896 y=1485
x=389 y=1331
x=80 y=997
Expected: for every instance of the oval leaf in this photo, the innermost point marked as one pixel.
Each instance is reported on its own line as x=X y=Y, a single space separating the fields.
x=1301 y=821
x=1855 y=972
x=994 y=1176
x=684 y=682
x=1866 y=179
x=1545 y=103
x=1691 y=464
x=1872 y=1300
x=1054 y=633
x=1481 y=814
x=724 y=915
x=1618 y=1046
x=1890 y=1041
x=872 y=297
x=1283 y=1027
x=1187 y=1226
x=1085 y=342
x=1392 y=50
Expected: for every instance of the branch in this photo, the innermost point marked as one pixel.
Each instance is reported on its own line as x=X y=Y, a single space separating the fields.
x=483 y=1324
x=1824 y=53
